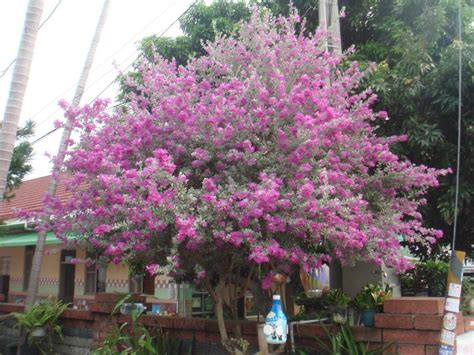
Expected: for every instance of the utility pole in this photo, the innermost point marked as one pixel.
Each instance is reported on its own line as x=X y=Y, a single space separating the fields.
x=328 y=11
x=37 y=258
x=19 y=83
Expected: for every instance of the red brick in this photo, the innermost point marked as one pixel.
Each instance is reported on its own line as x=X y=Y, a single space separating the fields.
x=432 y=349
x=110 y=297
x=11 y=307
x=313 y=330
x=107 y=297
x=165 y=322
x=102 y=307
x=414 y=305
x=362 y=333
x=77 y=314
x=211 y=326
x=394 y=321
x=428 y=337
x=410 y=349
x=468 y=323
x=428 y=322
x=204 y=337
x=460 y=328
x=190 y=323
x=249 y=328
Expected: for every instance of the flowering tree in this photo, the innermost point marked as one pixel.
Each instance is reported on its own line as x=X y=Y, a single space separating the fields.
x=260 y=157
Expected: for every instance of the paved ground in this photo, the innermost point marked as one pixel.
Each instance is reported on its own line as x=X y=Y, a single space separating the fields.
x=465 y=344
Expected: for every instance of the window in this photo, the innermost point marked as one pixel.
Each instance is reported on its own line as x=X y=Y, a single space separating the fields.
x=90 y=285
x=5 y=265
x=143 y=284
x=135 y=284
x=95 y=275
x=29 y=253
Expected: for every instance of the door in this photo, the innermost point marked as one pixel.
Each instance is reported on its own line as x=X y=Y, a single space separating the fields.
x=29 y=253
x=67 y=274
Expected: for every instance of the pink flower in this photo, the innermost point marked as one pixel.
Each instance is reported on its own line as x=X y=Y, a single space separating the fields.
x=267 y=282
x=102 y=229
x=152 y=269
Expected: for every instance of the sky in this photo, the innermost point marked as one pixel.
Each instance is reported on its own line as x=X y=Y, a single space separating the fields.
x=60 y=51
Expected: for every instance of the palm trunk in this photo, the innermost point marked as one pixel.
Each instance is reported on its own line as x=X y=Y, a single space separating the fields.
x=18 y=86
x=37 y=258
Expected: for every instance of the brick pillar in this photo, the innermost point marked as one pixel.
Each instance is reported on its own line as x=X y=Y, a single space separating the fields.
x=414 y=323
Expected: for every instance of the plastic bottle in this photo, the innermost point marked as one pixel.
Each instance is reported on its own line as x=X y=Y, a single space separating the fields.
x=276 y=324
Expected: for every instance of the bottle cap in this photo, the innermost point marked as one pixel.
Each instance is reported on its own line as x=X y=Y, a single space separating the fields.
x=276 y=297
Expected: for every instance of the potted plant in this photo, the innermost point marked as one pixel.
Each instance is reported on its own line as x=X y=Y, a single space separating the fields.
x=314 y=307
x=337 y=302
x=370 y=300
x=40 y=322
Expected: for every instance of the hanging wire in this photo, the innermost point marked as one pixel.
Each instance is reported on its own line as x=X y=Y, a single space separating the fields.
x=97 y=80
x=141 y=54
x=4 y=71
x=128 y=66
x=458 y=162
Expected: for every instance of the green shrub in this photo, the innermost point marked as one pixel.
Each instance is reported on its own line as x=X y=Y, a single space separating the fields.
x=43 y=314
x=132 y=338
x=430 y=277
x=372 y=296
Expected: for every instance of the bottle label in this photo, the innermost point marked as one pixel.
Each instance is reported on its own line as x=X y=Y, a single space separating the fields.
x=275 y=328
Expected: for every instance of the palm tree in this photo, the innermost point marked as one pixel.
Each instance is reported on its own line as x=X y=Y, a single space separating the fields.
x=18 y=86
x=36 y=264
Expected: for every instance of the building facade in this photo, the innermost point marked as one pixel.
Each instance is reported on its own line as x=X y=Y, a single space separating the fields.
x=64 y=274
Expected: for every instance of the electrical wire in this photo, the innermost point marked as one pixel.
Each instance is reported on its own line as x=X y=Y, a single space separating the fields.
x=127 y=67
x=96 y=68
x=141 y=54
x=458 y=157
x=4 y=71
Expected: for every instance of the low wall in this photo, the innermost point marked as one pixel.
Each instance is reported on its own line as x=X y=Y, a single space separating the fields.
x=412 y=324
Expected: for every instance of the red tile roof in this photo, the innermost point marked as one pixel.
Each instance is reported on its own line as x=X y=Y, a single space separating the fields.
x=29 y=197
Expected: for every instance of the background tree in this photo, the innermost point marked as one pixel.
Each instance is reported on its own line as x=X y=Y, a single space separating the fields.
x=22 y=154
x=199 y=25
x=415 y=44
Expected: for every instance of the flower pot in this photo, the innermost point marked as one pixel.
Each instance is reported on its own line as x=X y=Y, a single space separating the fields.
x=367 y=317
x=278 y=278
x=38 y=332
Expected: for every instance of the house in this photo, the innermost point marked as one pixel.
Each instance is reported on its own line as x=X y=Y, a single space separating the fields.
x=60 y=275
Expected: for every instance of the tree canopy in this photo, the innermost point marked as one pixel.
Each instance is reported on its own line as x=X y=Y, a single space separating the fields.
x=22 y=153
x=259 y=157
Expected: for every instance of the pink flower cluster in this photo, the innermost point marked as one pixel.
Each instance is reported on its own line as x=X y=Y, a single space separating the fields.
x=264 y=148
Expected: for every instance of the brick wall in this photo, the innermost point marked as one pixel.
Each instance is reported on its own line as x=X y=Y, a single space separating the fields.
x=412 y=323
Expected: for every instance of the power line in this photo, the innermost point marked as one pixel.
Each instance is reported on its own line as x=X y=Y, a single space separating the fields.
x=141 y=54
x=96 y=68
x=128 y=66
x=4 y=71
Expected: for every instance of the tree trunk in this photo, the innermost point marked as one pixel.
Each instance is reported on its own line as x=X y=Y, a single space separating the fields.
x=36 y=266
x=237 y=344
x=18 y=86
x=219 y=309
